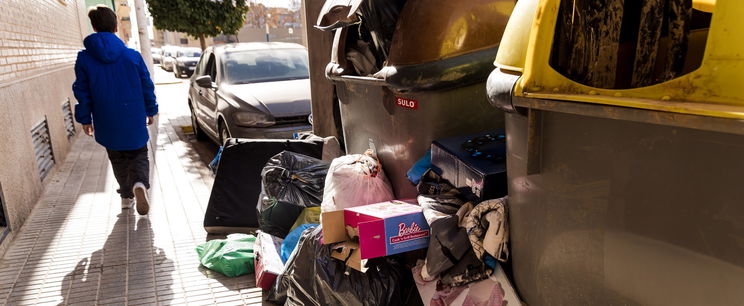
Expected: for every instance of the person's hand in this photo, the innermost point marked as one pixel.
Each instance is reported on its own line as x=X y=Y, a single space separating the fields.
x=88 y=129
x=150 y=120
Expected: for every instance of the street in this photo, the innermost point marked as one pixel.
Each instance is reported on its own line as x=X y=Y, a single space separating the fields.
x=172 y=96
x=78 y=247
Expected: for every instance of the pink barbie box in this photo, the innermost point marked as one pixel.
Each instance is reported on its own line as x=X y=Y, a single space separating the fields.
x=387 y=228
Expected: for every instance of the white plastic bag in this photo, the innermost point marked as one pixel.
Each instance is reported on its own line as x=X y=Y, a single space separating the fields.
x=355 y=180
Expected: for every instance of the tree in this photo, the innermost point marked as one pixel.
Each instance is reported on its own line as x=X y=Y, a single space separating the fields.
x=199 y=18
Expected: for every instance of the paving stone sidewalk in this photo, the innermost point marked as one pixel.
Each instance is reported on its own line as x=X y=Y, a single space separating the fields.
x=79 y=248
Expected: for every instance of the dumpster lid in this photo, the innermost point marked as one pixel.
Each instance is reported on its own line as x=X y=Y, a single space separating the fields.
x=338 y=14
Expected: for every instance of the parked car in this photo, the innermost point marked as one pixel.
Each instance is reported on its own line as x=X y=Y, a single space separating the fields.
x=157 y=55
x=250 y=90
x=185 y=63
x=169 y=57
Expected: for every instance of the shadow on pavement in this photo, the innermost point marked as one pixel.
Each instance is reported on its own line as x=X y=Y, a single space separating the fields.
x=127 y=266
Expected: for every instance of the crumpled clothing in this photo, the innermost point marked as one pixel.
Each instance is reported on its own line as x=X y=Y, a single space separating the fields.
x=450 y=255
x=453 y=295
x=467 y=270
x=444 y=295
x=496 y=298
x=432 y=184
x=488 y=230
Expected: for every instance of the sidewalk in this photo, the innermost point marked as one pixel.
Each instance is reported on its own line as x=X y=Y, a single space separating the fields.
x=78 y=248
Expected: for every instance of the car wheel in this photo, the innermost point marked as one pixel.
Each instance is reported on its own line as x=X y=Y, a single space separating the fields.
x=198 y=132
x=224 y=133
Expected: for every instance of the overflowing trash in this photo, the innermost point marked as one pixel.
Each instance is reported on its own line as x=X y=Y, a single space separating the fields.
x=420 y=167
x=268 y=263
x=474 y=161
x=313 y=277
x=237 y=184
x=291 y=182
x=232 y=257
x=334 y=234
x=450 y=255
x=495 y=290
x=355 y=180
x=216 y=161
x=309 y=215
x=290 y=242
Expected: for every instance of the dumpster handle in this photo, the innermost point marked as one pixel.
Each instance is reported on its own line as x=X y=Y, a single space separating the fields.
x=500 y=86
x=334 y=72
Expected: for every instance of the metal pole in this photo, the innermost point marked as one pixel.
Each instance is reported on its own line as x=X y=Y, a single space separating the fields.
x=267 y=26
x=303 y=18
x=144 y=39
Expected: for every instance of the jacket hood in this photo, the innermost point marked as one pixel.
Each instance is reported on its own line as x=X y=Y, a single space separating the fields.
x=104 y=46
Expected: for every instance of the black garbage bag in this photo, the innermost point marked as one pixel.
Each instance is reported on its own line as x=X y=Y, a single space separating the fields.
x=290 y=182
x=312 y=277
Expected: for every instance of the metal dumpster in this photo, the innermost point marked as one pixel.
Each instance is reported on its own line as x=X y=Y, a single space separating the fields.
x=625 y=192
x=407 y=72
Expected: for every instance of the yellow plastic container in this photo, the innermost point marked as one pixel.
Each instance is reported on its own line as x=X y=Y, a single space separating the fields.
x=715 y=89
x=624 y=196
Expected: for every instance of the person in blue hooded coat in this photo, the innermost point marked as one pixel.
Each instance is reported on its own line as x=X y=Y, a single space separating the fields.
x=116 y=103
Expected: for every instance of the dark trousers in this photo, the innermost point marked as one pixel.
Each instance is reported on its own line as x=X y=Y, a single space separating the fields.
x=130 y=167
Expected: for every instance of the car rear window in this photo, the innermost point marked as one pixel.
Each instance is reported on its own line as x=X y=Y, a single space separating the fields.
x=189 y=53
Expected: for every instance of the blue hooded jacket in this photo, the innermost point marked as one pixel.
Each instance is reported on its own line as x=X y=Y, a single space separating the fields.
x=114 y=92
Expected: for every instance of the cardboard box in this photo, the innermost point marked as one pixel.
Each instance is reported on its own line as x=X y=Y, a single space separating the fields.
x=268 y=261
x=382 y=229
x=486 y=178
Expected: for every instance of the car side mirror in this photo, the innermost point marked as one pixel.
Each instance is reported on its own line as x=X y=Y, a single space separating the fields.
x=204 y=81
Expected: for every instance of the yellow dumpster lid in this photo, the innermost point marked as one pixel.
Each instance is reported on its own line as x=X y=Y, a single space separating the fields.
x=704 y=5
x=513 y=48
x=714 y=89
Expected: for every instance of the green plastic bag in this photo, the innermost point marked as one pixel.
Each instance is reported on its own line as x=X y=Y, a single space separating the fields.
x=232 y=256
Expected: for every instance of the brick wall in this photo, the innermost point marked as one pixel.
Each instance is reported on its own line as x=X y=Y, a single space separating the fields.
x=39 y=41
x=38 y=36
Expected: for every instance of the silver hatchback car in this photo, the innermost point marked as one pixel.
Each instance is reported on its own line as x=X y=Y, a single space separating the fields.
x=250 y=90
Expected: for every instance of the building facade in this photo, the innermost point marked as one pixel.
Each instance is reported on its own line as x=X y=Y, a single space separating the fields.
x=167 y=38
x=123 y=17
x=39 y=41
x=283 y=24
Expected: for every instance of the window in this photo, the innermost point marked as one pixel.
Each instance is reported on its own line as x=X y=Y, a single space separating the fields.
x=184 y=41
x=201 y=66
x=241 y=67
x=188 y=53
x=628 y=43
x=211 y=68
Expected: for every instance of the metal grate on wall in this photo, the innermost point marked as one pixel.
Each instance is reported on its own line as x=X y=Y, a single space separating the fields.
x=69 y=120
x=3 y=219
x=42 y=148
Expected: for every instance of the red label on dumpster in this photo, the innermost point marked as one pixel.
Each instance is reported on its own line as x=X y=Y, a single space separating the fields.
x=406 y=103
